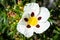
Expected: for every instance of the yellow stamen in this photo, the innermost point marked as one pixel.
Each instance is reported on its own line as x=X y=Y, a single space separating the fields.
x=32 y=21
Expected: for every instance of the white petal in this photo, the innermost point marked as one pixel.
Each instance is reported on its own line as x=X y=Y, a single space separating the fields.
x=25 y=15
x=29 y=32
x=21 y=27
x=44 y=13
x=31 y=7
x=43 y=27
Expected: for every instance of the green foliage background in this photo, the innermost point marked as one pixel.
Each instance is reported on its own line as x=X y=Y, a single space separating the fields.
x=11 y=12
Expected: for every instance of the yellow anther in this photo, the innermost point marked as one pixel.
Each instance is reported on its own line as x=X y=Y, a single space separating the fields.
x=32 y=21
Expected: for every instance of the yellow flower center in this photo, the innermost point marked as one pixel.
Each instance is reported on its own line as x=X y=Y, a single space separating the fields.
x=32 y=21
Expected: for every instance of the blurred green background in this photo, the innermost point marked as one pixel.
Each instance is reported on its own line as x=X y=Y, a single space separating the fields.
x=11 y=12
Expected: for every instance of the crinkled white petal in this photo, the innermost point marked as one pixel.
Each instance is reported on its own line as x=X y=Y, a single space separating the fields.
x=25 y=15
x=31 y=7
x=43 y=27
x=21 y=27
x=29 y=32
x=44 y=13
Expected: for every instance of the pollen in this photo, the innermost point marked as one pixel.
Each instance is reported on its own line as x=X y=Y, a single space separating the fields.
x=32 y=21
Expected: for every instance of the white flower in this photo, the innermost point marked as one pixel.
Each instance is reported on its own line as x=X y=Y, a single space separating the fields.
x=33 y=20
